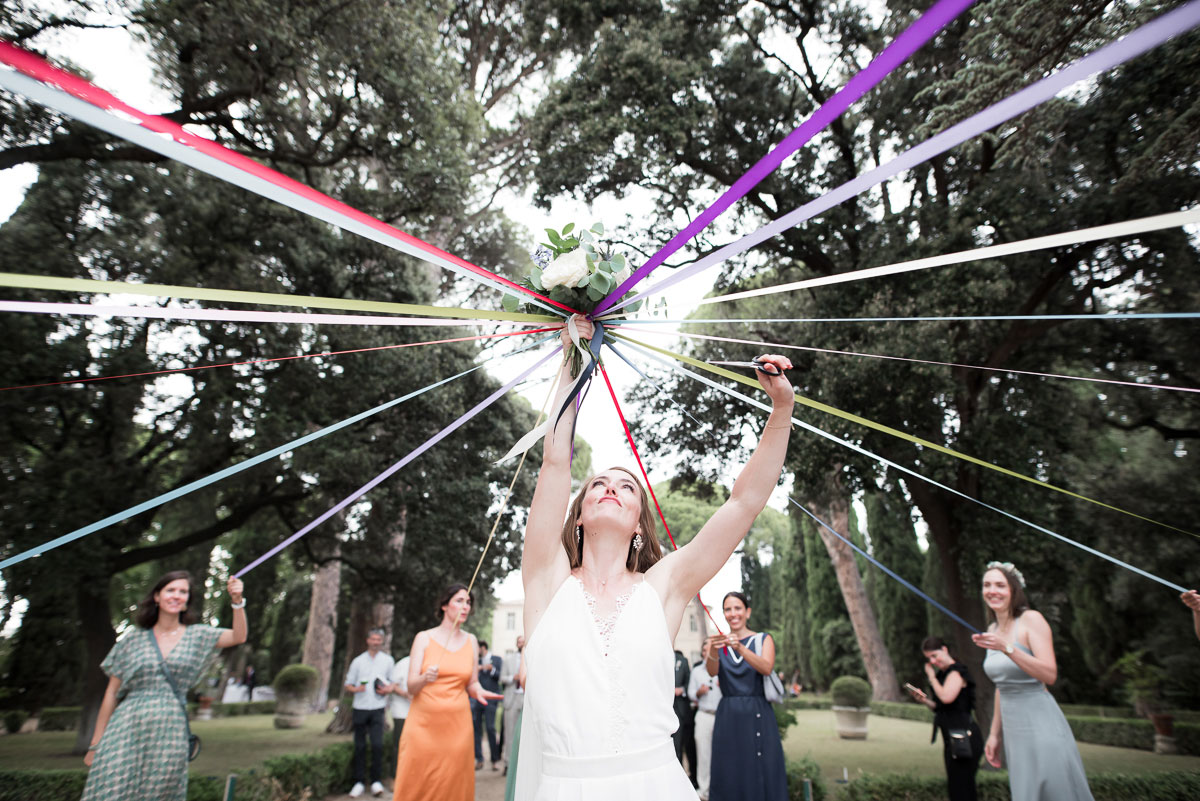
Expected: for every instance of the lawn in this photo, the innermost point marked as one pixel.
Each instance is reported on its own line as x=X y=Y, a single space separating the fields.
x=229 y=744
x=902 y=746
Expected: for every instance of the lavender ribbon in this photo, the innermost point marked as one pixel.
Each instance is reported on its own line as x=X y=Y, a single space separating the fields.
x=895 y=54
x=1134 y=44
x=379 y=479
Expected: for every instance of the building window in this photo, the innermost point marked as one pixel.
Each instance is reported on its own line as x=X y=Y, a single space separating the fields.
x=692 y=621
x=511 y=621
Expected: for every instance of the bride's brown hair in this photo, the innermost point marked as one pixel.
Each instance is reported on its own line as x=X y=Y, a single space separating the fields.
x=639 y=559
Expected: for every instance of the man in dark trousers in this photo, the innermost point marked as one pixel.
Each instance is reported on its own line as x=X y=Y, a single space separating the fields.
x=368 y=680
x=485 y=716
x=685 y=735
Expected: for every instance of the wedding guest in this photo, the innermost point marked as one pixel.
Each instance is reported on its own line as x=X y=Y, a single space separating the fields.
x=748 y=755
x=684 y=737
x=1039 y=748
x=483 y=716
x=952 y=703
x=140 y=742
x=705 y=690
x=514 y=699
x=443 y=674
x=367 y=681
x=1191 y=599
x=400 y=700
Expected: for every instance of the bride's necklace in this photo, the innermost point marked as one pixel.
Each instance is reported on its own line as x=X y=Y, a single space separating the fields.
x=602 y=582
x=172 y=633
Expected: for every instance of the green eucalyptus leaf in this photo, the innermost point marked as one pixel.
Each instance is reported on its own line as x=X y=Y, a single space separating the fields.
x=603 y=281
x=535 y=278
x=585 y=237
x=598 y=229
x=555 y=238
x=632 y=307
x=582 y=282
x=618 y=260
x=595 y=294
x=511 y=303
x=568 y=228
x=571 y=243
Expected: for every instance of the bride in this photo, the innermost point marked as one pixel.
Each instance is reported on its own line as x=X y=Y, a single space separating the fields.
x=602 y=607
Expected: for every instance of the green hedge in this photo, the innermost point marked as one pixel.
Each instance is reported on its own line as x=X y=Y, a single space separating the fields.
x=59 y=718
x=235 y=709
x=1172 y=786
x=902 y=710
x=66 y=718
x=797 y=772
x=1132 y=733
x=314 y=775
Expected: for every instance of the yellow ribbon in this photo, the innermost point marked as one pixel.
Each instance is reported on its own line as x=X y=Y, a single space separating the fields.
x=20 y=281
x=854 y=418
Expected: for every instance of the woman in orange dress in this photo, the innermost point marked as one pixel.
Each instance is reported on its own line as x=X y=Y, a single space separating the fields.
x=437 y=751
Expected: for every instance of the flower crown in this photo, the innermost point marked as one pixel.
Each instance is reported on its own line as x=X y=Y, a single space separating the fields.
x=1008 y=567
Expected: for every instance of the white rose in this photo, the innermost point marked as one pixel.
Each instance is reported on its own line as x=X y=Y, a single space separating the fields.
x=566 y=270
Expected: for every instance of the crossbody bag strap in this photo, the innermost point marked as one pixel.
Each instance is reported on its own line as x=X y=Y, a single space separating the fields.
x=171 y=680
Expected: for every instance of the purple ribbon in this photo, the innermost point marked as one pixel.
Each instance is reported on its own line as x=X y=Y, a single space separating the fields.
x=379 y=479
x=1138 y=41
x=895 y=54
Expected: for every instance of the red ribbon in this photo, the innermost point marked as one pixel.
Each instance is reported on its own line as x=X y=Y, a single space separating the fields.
x=38 y=68
x=646 y=478
x=276 y=359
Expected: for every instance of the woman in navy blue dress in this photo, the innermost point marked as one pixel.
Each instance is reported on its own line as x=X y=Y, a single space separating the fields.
x=747 y=756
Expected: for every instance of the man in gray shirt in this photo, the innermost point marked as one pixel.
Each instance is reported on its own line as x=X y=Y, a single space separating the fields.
x=368 y=679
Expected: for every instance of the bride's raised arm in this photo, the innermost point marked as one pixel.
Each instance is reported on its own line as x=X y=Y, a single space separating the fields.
x=543 y=561
x=682 y=573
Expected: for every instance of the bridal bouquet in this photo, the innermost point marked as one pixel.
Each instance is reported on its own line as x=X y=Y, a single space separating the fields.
x=575 y=269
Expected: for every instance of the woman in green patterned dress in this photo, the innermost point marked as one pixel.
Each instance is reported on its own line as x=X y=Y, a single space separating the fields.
x=139 y=749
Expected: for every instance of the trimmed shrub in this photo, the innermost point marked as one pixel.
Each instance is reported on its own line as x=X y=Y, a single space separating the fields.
x=14 y=719
x=904 y=711
x=808 y=702
x=42 y=785
x=797 y=772
x=297 y=680
x=1132 y=733
x=850 y=691
x=784 y=719
x=59 y=718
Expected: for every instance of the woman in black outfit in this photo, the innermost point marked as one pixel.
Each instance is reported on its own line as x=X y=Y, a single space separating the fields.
x=953 y=701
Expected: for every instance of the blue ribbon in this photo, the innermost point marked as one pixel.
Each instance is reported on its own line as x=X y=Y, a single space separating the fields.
x=914 y=474
x=586 y=374
x=186 y=489
x=909 y=586
x=650 y=381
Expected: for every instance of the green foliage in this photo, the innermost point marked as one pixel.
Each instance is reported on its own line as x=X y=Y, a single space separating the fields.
x=1169 y=786
x=902 y=710
x=1132 y=733
x=785 y=718
x=900 y=613
x=801 y=769
x=850 y=691
x=58 y=718
x=42 y=785
x=14 y=719
x=296 y=680
x=893 y=787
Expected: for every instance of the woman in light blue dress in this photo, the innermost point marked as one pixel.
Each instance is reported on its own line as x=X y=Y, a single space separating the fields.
x=1039 y=748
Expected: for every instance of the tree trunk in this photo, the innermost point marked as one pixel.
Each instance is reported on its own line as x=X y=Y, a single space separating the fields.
x=92 y=598
x=878 y=661
x=937 y=509
x=356 y=643
x=320 y=635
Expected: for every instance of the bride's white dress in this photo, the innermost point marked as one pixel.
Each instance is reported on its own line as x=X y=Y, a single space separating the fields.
x=597 y=720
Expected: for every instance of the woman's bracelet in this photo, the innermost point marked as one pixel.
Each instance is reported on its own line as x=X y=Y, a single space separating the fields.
x=787 y=426
x=240 y=605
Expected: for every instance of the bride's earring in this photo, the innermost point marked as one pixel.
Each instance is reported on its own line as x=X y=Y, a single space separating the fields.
x=578 y=535
x=637 y=541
